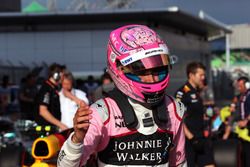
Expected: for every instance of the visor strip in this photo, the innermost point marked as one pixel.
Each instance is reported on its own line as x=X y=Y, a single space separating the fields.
x=144 y=54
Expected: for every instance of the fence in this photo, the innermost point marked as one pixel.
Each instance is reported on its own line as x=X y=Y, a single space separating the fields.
x=15 y=73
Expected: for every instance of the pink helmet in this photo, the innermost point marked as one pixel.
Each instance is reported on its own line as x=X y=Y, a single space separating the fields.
x=133 y=50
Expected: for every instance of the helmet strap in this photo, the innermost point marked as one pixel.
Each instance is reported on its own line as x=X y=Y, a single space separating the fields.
x=127 y=110
x=160 y=113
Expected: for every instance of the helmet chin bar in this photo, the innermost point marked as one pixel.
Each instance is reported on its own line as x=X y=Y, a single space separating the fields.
x=157 y=104
x=153 y=99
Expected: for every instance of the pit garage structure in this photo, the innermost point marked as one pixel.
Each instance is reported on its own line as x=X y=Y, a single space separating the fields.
x=79 y=39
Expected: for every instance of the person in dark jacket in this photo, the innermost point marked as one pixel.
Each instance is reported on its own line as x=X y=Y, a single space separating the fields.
x=47 y=102
x=198 y=148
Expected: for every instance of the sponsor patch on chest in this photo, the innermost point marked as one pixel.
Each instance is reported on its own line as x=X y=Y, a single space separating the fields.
x=194 y=98
x=138 y=149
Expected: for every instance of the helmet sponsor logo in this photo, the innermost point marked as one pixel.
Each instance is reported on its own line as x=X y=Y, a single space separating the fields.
x=112 y=57
x=122 y=49
x=153 y=51
x=143 y=54
x=114 y=39
x=126 y=61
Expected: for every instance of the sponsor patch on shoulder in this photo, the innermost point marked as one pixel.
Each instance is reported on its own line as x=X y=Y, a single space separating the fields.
x=186 y=89
x=180 y=107
x=179 y=95
x=46 y=98
x=101 y=107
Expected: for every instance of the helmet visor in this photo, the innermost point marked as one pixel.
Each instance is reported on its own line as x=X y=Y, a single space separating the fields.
x=148 y=63
x=157 y=65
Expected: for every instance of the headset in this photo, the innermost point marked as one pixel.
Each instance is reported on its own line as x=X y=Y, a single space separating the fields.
x=54 y=72
x=246 y=81
x=247 y=85
x=56 y=76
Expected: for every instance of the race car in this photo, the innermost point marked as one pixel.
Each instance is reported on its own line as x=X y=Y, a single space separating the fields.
x=12 y=149
x=25 y=144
